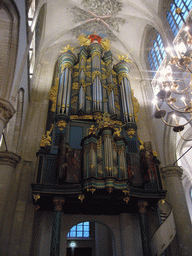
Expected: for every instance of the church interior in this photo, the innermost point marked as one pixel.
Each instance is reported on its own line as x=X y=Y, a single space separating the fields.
x=95 y=128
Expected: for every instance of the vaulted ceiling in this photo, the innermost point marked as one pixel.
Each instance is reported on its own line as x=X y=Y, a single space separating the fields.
x=123 y=22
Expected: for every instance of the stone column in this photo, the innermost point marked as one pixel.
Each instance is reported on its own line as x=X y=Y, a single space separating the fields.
x=130 y=234
x=55 y=239
x=176 y=197
x=8 y=162
x=6 y=112
x=144 y=227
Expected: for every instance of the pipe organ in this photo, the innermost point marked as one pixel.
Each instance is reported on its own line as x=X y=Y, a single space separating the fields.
x=93 y=139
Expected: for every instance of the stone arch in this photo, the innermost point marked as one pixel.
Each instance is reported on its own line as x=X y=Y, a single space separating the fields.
x=73 y=220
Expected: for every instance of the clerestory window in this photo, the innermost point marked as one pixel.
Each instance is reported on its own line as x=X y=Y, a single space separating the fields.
x=156 y=51
x=175 y=21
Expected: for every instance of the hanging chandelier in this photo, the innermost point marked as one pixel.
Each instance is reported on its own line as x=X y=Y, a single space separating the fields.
x=174 y=82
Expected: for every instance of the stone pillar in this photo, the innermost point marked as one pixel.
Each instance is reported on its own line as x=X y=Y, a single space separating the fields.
x=6 y=112
x=144 y=227
x=8 y=162
x=130 y=234
x=55 y=239
x=176 y=197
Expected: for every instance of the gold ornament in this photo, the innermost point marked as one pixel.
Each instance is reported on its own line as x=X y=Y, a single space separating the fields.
x=46 y=139
x=68 y=48
x=124 y=57
x=106 y=44
x=117 y=132
x=36 y=197
x=136 y=105
x=91 y=189
x=125 y=192
x=61 y=124
x=84 y=41
x=81 y=197
x=53 y=94
x=162 y=201
x=110 y=190
x=126 y=199
x=130 y=132
x=92 y=129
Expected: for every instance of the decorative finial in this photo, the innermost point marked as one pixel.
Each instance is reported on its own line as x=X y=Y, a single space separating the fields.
x=124 y=57
x=68 y=48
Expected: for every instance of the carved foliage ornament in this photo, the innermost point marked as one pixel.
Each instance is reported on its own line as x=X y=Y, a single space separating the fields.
x=53 y=94
x=6 y=112
x=46 y=139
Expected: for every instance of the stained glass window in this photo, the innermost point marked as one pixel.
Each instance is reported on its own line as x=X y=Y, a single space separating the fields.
x=81 y=230
x=175 y=20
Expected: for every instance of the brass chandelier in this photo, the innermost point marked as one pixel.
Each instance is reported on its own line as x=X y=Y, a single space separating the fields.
x=175 y=81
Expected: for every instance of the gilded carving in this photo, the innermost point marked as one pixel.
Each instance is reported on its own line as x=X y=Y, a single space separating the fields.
x=102 y=62
x=88 y=74
x=114 y=80
x=95 y=74
x=91 y=189
x=131 y=132
x=135 y=106
x=61 y=124
x=88 y=98
x=104 y=76
x=122 y=75
x=89 y=60
x=124 y=57
x=76 y=66
x=53 y=94
x=99 y=143
x=81 y=197
x=85 y=117
x=74 y=100
x=110 y=190
x=66 y=65
x=36 y=197
x=75 y=86
x=120 y=149
x=84 y=41
x=97 y=117
x=96 y=54
x=75 y=74
x=46 y=139
x=68 y=48
x=115 y=90
x=126 y=199
x=108 y=62
x=117 y=105
x=92 y=129
x=117 y=132
x=106 y=44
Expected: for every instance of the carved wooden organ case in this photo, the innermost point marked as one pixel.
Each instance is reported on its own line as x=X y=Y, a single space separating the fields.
x=91 y=136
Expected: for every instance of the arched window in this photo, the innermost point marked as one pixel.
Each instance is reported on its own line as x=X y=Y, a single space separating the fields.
x=156 y=52
x=175 y=21
x=81 y=230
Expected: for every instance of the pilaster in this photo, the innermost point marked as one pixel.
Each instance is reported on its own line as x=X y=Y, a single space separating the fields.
x=176 y=197
x=8 y=163
x=55 y=240
x=144 y=227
